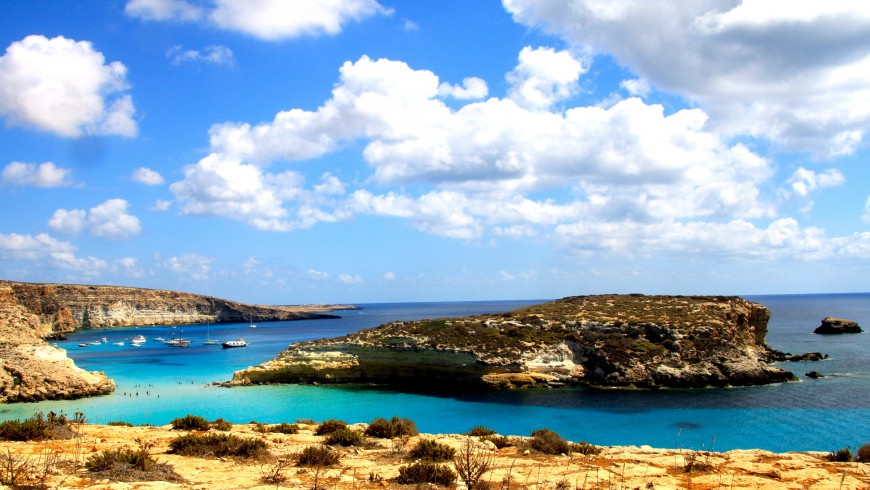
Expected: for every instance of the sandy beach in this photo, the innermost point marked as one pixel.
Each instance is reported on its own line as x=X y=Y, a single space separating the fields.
x=377 y=463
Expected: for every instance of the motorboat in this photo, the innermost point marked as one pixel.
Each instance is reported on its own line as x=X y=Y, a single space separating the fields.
x=119 y=344
x=96 y=342
x=139 y=339
x=177 y=342
x=84 y=344
x=239 y=342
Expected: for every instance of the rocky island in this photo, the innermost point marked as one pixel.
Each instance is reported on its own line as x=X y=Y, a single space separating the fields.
x=836 y=326
x=33 y=370
x=625 y=341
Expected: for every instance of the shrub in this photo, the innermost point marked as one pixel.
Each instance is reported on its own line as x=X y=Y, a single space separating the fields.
x=37 y=427
x=388 y=429
x=285 y=428
x=425 y=472
x=344 y=437
x=548 y=442
x=119 y=423
x=479 y=431
x=128 y=465
x=329 y=426
x=317 y=456
x=430 y=450
x=863 y=455
x=106 y=459
x=843 y=455
x=218 y=445
x=471 y=463
x=190 y=422
x=221 y=424
x=499 y=441
x=585 y=448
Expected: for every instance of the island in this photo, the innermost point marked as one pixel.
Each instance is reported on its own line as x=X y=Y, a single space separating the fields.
x=33 y=370
x=621 y=341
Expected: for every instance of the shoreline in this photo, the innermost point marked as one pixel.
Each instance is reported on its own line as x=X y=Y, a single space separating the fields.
x=376 y=464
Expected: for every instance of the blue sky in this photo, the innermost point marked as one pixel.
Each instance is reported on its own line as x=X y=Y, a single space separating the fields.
x=310 y=151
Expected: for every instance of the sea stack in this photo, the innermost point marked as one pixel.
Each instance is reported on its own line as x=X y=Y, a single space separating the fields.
x=835 y=326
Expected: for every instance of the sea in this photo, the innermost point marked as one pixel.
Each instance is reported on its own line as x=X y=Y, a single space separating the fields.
x=157 y=383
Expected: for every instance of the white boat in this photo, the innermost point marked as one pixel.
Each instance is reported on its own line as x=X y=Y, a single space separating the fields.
x=177 y=342
x=103 y=340
x=96 y=342
x=139 y=339
x=119 y=344
x=159 y=339
x=208 y=340
x=239 y=342
x=251 y=325
x=84 y=344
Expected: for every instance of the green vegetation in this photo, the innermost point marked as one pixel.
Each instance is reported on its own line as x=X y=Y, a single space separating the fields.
x=430 y=450
x=37 y=428
x=548 y=442
x=479 y=431
x=388 y=429
x=426 y=472
x=344 y=437
x=329 y=426
x=284 y=428
x=585 y=448
x=219 y=446
x=129 y=465
x=190 y=422
x=221 y=425
x=499 y=441
x=843 y=455
x=863 y=454
x=317 y=457
x=120 y=423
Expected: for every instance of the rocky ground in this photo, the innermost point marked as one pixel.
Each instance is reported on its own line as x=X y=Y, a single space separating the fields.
x=377 y=464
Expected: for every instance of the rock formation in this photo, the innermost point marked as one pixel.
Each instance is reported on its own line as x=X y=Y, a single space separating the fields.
x=831 y=326
x=66 y=307
x=32 y=370
x=607 y=341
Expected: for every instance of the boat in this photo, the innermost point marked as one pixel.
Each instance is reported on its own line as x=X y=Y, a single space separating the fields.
x=239 y=342
x=84 y=344
x=177 y=341
x=158 y=339
x=251 y=325
x=208 y=340
x=96 y=342
x=139 y=339
x=119 y=344
x=103 y=340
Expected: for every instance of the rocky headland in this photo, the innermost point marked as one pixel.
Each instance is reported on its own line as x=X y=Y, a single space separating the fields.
x=33 y=370
x=835 y=326
x=625 y=341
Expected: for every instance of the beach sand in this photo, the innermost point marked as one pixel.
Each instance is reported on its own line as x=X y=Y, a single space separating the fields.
x=375 y=465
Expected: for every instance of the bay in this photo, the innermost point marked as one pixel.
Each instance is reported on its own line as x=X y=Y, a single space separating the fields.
x=156 y=383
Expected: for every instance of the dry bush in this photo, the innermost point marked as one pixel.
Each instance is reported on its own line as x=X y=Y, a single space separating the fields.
x=471 y=463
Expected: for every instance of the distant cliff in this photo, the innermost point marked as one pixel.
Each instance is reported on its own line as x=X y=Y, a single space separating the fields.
x=608 y=341
x=66 y=307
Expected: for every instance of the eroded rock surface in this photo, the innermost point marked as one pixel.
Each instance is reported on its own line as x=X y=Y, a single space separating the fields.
x=833 y=326
x=608 y=340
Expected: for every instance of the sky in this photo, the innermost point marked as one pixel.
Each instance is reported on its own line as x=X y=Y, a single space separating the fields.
x=361 y=151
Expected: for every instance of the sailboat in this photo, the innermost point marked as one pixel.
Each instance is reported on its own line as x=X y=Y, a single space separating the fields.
x=177 y=341
x=208 y=340
x=251 y=317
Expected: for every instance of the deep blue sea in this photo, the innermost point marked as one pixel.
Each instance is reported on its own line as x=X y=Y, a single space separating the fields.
x=157 y=383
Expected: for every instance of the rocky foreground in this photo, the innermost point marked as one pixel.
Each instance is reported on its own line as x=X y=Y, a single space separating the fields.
x=376 y=464
x=628 y=341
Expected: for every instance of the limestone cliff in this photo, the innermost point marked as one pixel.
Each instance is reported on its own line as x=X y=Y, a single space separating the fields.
x=65 y=307
x=32 y=370
x=609 y=340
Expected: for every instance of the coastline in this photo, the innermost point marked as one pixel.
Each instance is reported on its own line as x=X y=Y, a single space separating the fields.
x=377 y=463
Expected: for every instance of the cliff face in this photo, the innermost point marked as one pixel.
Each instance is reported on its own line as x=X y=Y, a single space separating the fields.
x=609 y=340
x=65 y=307
x=32 y=370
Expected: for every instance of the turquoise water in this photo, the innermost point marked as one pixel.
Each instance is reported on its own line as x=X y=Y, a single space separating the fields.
x=156 y=383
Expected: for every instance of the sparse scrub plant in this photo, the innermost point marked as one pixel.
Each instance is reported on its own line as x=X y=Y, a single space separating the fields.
x=842 y=455
x=480 y=430
x=190 y=422
x=863 y=454
x=284 y=428
x=430 y=450
x=329 y=426
x=221 y=425
x=548 y=442
x=119 y=423
x=131 y=465
x=344 y=437
x=387 y=429
x=426 y=472
x=36 y=428
x=218 y=445
x=317 y=456
x=585 y=448
x=471 y=463
x=500 y=442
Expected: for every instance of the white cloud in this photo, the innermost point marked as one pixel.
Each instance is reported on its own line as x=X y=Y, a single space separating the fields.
x=47 y=251
x=350 y=279
x=45 y=175
x=544 y=77
x=804 y=181
x=179 y=10
x=389 y=276
x=270 y=20
x=147 y=176
x=65 y=87
x=865 y=217
x=318 y=275
x=191 y=265
x=471 y=88
x=795 y=74
x=161 y=205
x=636 y=87
x=109 y=219
x=210 y=55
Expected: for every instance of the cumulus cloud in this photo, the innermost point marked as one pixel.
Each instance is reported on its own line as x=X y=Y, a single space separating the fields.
x=471 y=88
x=350 y=279
x=269 y=20
x=794 y=75
x=109 y=220
x=146 y=176
x=210 y=55
x=191 y=265
x=543 y=77
x=44 y=175
x=65 y=87
x=161 y=205
x=804 y=181
x=47 y=251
